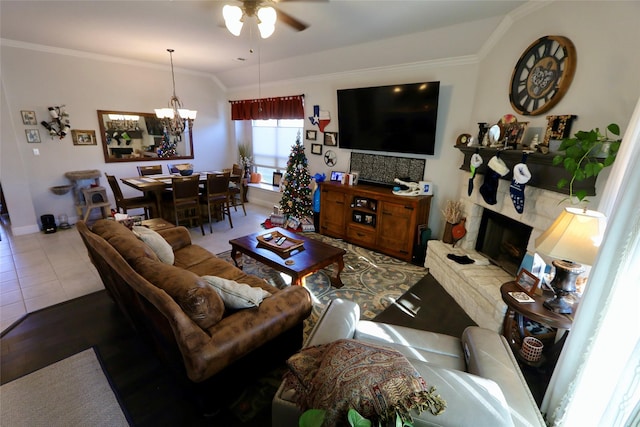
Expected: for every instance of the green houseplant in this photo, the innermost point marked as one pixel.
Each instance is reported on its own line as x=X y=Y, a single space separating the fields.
x=585 y=155
x=315 y=418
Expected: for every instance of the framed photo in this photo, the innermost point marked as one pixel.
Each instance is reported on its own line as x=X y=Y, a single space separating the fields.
x=28 y=118
x=277 y=177
x=316 y=149
x=311 y=135
x=558 y=127
x=331 y=138
x=514 y=133
x=83 y=137
x=33 y=135
x=527 y=281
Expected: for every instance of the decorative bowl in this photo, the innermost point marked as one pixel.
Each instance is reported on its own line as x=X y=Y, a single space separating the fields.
x=186 y=172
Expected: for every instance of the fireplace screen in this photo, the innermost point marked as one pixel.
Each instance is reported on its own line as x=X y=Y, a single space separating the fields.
x=503 y=240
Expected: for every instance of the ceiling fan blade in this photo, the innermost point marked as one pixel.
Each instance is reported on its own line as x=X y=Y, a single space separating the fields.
x=291 y=21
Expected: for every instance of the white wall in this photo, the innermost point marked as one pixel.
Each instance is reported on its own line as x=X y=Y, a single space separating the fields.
x=33 y=79
x=604 y=90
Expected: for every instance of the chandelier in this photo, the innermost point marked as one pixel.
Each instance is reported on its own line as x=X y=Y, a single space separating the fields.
x=174 y=116
x=234 y=17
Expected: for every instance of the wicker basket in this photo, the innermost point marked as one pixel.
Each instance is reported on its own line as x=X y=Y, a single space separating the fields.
x=531 y=349
x=60 y=189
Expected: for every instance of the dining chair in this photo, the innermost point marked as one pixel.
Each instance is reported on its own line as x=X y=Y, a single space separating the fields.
x=185 y=200
x=125 y=203
x=149 y=170
x=216 y=196
x=236 y=188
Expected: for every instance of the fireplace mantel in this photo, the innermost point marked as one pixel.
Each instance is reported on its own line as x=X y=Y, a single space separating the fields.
x=544 y=174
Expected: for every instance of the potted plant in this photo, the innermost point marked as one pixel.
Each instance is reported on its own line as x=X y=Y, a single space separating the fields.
x=245 y=159
x=585 y=155
x=315 y=418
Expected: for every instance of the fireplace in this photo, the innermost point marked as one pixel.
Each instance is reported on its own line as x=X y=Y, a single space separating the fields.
x=503 y=240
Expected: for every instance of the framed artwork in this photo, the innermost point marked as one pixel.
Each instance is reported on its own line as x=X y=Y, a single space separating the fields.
x=558 y=127
x=316 y=149
x=311 y=135
x=83 y=137
x=527 y=281
x=277 y=178
x=33 y=135
x=28 y=118
x=331 y=138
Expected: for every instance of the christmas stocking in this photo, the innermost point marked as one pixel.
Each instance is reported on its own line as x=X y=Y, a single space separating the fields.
x=521 y=175
x=475 y=163
x=489 y=188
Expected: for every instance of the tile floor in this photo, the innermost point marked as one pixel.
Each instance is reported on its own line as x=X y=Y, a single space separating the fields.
x=39 y=270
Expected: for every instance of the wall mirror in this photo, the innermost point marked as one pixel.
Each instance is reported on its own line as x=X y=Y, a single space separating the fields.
x=138 y=137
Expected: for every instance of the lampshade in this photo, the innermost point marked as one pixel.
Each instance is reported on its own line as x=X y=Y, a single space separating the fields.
x=266 y=21
x=575 y=235
x=232 y=19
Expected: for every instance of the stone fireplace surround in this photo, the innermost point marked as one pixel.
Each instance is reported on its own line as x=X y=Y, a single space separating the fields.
x=476 y=288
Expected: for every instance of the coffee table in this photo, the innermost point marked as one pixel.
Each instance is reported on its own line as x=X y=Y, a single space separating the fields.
x=300 y=263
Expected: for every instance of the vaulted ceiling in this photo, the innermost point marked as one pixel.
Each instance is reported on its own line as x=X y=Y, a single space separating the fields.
x=143 y=30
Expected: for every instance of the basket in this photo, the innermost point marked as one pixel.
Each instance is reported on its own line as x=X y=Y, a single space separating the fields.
x=531 y=349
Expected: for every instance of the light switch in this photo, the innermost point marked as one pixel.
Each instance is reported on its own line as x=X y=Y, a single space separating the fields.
x=36 y=152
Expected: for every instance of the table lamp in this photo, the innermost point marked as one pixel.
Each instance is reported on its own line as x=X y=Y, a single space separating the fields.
x=576 y=236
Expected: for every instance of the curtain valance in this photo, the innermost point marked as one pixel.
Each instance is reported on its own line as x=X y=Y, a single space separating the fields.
x=284 y=107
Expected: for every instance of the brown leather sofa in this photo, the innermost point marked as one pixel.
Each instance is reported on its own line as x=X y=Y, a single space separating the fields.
x=184 y=318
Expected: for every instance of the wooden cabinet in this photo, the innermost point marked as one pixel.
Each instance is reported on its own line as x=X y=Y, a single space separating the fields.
x=373 y=217
x=333 y=215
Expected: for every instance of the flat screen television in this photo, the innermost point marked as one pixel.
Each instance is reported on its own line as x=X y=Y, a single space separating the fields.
x=396 y=118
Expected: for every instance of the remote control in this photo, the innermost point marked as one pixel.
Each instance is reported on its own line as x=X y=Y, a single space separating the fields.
x=281 y=240
x=267 y=237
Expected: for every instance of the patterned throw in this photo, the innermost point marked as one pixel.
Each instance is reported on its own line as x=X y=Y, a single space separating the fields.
x=377 y=381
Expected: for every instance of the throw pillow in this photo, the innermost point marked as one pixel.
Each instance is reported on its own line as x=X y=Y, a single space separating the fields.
x=236 y=295
x=376 y=381
x=156 y=242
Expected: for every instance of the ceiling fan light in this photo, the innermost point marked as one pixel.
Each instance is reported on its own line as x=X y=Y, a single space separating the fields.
x=267 y=15
x=232 y=19
x=266 y=30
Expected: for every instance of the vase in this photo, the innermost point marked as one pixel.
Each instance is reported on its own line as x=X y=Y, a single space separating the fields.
x=447 y=236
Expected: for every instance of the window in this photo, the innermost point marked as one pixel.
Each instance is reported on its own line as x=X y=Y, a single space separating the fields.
x=272 y=142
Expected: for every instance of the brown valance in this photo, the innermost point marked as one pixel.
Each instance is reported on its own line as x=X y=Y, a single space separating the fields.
x=284 y=107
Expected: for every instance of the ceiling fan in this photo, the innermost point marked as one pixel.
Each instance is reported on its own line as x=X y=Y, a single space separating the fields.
x=266 y=14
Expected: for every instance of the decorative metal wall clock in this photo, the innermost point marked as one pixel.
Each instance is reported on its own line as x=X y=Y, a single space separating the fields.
x=542 y=75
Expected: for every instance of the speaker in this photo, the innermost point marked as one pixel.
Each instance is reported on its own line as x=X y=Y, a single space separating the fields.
x=48 y=224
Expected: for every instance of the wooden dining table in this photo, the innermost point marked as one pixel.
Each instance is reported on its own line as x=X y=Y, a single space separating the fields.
x=157 y=184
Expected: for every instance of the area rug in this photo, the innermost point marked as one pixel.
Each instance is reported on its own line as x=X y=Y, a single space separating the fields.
x=72 y=392
x=371 y=279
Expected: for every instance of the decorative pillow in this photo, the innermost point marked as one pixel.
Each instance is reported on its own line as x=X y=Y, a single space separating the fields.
x=236 y=295
x=196 y=298
x=156 y=242
x=376 y=381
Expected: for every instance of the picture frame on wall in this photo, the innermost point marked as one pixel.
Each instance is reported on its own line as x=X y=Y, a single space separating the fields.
x=33 y=135
x=527 y=281
x=29 y=118
x=83 y=137
x=316 y=149
x=311 y=135
x=331 y=138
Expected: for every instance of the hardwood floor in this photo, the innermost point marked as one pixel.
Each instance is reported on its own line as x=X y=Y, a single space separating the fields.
x=149 y=392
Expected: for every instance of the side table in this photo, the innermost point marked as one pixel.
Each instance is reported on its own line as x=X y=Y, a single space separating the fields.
x=514 y=329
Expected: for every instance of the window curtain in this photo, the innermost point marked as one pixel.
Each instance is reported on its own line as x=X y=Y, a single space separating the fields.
x=596 y=379
x=285 y=107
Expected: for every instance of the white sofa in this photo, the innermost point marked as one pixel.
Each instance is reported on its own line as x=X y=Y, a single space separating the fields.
x=477 y=374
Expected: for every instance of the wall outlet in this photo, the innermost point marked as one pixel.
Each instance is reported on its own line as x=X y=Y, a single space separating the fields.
x=36 y=152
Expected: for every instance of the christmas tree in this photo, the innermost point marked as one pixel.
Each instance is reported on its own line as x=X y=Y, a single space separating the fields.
x=167 y=147
x=296 y=196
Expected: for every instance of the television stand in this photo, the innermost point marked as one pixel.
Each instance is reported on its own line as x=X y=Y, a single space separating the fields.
x=374 y=218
